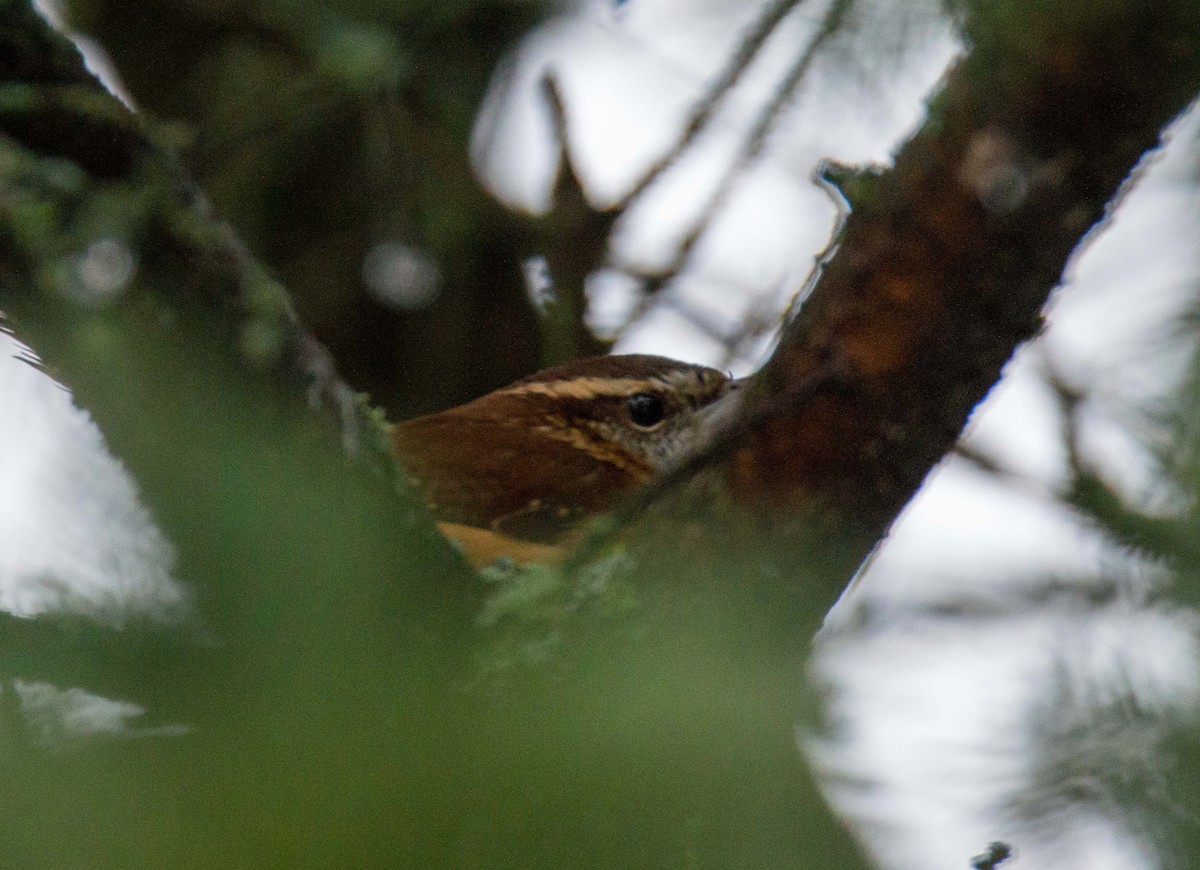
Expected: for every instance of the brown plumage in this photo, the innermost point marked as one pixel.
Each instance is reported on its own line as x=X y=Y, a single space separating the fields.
x=514 y=473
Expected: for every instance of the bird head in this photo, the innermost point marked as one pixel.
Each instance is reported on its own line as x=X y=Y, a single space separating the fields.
x=532 y=461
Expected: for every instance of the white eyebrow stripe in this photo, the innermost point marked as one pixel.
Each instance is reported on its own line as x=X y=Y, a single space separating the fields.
x=584 y=388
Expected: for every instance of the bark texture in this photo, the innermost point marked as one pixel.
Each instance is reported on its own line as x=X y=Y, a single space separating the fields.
x=946 y=260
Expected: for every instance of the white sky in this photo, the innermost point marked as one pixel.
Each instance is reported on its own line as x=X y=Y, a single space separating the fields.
x=74 y=536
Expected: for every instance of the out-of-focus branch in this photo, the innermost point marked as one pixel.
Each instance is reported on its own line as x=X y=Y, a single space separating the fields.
x=702 y=112
x=576 y=234
x=946 y=260
x=353 y=121
x=1169 y=538
x=79 y=169
x=50 y=106
x=574 y=240
x=750 y=151
x=756 y=140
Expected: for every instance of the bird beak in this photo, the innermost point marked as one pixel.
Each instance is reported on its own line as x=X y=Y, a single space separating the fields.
x=720 y=415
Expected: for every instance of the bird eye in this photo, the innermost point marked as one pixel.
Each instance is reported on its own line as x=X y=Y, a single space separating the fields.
x=646 y=410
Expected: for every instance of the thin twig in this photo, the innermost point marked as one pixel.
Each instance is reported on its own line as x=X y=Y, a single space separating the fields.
x=703 y=111
x=707 y=322
x=751 y=150
x=999 y=471
x=1069 y=399
x=754 y=324
x=575 y=239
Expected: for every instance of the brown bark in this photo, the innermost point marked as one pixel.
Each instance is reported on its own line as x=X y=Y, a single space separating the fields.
x=946 y=260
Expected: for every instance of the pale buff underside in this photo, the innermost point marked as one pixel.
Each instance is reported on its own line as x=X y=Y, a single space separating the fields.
x=484 y=546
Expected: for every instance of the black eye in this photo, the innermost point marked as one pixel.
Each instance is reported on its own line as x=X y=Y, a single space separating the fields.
x=646 y=410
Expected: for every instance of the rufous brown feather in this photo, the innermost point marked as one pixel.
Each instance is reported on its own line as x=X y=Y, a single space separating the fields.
x=516 y=472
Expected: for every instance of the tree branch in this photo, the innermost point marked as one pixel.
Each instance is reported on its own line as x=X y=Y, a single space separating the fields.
x=946 y=260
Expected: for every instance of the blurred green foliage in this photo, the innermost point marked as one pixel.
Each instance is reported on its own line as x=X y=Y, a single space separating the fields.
x=322 y=129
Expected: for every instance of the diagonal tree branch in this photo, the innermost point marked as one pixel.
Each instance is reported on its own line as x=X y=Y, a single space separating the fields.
x=946 y=260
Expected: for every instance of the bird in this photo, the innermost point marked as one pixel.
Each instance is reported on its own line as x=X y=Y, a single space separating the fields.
x=516 y=474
